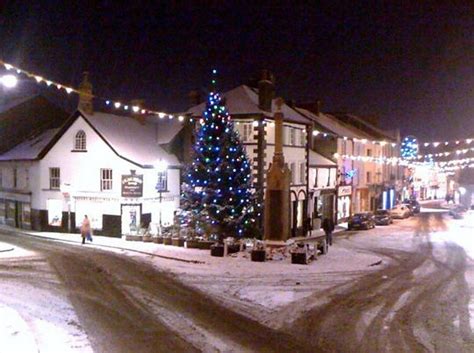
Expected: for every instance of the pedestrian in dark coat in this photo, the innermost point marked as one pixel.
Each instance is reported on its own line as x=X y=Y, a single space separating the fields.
x=328 y=227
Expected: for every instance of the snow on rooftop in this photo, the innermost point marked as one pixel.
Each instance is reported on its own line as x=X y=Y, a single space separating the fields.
x=319 y=160
x=334 y=125
x=243 y=100
x=131 y=139
x=30 y=148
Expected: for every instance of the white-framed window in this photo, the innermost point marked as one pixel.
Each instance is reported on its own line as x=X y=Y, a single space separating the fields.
x=247 y=132
x=302 y=173
x=105 y=179
x=303 y=138
x=292 y=136
x=54 y=178
x=80 y=142
x=293 y=172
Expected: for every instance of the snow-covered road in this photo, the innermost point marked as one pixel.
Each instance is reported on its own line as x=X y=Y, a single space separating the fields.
x=68 y=298
x=408 y=287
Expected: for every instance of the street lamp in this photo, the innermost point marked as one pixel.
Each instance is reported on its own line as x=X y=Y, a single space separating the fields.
x=66 y=191
x=8 y=81
x=161 y=167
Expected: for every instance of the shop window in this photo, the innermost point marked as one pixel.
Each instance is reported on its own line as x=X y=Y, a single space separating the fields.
x=302 y=173
x=54 y=178
x=80 y=143
x=105 y=179
x=293 y=173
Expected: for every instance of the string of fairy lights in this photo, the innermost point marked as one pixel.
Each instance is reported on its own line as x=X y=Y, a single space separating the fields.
x=408 y=149
x=71 y=90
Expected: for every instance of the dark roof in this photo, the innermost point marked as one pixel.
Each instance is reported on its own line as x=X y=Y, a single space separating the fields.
x=22 y=118
x=363 y=125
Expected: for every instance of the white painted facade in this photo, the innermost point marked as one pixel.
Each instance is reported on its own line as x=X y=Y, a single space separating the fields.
x=80 y=174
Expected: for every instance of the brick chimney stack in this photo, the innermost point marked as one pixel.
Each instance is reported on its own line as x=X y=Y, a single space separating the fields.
x=194 y=98
x=85 y=95
x=266 y=91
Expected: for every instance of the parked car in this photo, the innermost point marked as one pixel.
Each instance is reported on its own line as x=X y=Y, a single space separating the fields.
x=383 y=218
x=414 y=204
x=400 y=212
x=458 y=212
x=361 y=221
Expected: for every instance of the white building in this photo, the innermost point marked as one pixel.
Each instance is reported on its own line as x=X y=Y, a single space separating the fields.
x=359 y=183
x=97 y=164
x=252 y=110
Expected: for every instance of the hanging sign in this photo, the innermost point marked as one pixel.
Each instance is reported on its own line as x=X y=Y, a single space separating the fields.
x=132 y=185
x=344 y=190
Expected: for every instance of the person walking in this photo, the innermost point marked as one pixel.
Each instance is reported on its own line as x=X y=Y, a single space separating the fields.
x=328 y=227
x=86 y=229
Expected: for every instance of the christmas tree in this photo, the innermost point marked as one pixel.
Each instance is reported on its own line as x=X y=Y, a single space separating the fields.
x=217 y=196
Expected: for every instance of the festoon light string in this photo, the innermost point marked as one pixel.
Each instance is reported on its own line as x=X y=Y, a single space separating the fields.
x=109 y=102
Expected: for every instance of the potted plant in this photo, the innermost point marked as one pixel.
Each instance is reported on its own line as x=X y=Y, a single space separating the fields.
x=177 y=241
x=258 y=253
x=217 y=250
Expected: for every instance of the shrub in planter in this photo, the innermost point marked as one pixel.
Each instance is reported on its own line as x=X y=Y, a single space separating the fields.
x=258 y=255
x=158 y=240
x=134 y=237
x=205 y=244
x=233 y=248
x=217 y=250
x=167 y=240
x=192 y=244
x=177 y=241
x=148 y=239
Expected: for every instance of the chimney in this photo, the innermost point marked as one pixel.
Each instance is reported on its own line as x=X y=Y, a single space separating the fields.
x=85 y=95
x=317 y=107
x=194 y=98
x=266 y=91
x=137 y=114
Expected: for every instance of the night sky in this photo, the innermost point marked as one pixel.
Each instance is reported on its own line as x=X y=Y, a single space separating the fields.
x=412 y=64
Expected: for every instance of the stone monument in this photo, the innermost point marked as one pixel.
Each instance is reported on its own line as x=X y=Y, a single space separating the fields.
x=277 y=193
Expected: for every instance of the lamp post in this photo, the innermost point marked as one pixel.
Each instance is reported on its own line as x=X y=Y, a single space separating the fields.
x=66 y=190
x=161 y=167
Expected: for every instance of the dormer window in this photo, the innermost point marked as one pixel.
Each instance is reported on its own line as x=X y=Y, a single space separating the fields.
x=80 y=143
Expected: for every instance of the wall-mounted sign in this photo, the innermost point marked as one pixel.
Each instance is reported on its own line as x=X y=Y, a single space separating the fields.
x=162 y=181
x=132 y=185
x=345 y=190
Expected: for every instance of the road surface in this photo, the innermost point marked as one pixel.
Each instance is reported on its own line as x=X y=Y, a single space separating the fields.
x=420 y=302
x=118 y=302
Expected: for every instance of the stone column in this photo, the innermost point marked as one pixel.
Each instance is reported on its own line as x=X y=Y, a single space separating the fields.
x=277 y=193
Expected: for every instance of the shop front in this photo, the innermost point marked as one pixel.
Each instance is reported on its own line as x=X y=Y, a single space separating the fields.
x=323 y=206
x=344 y=196
x=15 y=210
